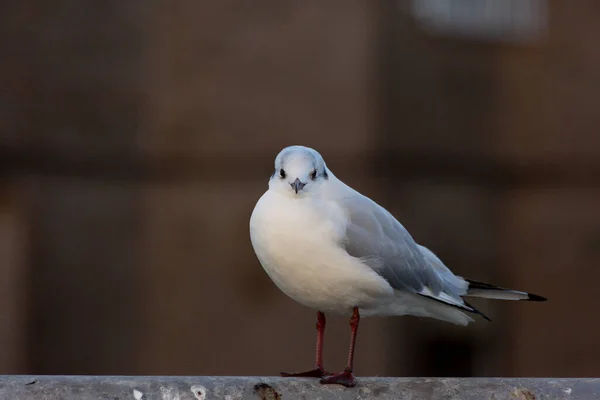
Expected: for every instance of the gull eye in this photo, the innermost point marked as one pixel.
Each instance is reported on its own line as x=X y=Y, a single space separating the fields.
x=282 y=173
x=313 y=174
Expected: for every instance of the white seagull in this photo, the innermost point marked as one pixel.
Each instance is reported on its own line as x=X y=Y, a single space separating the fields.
x=335 y=250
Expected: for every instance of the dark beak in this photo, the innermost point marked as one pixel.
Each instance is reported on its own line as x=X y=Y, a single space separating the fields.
x=297 y=185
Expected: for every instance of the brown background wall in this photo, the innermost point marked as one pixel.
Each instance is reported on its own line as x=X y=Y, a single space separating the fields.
x=136 y=137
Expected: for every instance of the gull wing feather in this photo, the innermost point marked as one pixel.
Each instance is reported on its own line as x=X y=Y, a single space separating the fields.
x=382 y=243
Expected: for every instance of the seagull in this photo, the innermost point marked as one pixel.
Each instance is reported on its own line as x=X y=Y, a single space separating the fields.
x=334 y=250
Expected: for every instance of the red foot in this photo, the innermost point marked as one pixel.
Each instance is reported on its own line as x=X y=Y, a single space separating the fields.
x=315 y=373
x=345 y=378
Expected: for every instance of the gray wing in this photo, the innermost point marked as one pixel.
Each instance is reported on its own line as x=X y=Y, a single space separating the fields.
x=452 y=283
x=381 y=242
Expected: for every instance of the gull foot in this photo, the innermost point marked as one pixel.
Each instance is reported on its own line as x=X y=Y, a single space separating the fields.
x=315 y=373
x=345 y=378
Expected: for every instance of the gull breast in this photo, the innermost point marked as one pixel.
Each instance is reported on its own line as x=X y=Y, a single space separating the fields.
x=297 y=243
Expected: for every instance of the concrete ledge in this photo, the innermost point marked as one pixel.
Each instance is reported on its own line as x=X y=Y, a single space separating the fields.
x=271 y=388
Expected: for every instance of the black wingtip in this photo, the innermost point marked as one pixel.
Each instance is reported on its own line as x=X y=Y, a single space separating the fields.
x=482 y=314
x=476 y=311
x=486 y=286
x=535 y=297
x=485 y=316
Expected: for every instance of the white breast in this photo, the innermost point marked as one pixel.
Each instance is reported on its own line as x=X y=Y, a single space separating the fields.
x=297 y=241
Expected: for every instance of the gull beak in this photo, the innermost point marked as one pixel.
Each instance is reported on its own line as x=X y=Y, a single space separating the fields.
x=297 y=185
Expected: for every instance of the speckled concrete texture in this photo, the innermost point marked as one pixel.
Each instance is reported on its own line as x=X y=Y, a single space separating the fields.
x=273 y=388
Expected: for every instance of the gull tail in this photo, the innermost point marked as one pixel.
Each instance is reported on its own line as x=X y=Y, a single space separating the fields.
x=487 y=291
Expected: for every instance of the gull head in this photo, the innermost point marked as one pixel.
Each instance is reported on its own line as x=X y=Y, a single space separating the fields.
x=299 y=171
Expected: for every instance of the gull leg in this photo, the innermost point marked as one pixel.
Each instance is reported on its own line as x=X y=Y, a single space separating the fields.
x=346 y=378
x=318 y=372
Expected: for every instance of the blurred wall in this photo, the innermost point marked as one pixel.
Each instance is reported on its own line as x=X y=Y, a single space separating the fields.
x=136 y=138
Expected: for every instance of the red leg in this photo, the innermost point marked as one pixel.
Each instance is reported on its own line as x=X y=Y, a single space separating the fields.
x=346 y=378
x=319 y=371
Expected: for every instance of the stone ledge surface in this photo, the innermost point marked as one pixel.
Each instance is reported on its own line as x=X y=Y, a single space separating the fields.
x=30 y=387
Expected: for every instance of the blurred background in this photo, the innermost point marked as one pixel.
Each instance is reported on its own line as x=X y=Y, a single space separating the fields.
x=137 y=136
